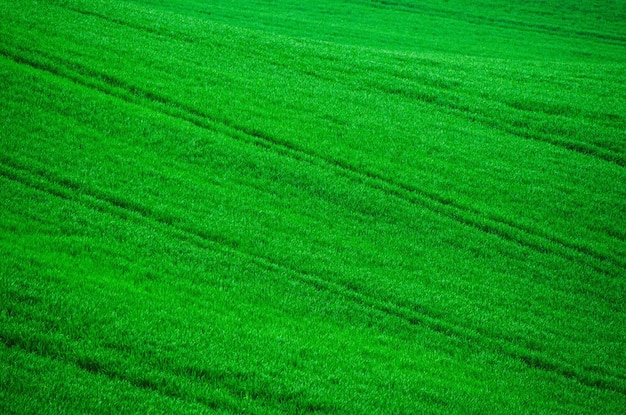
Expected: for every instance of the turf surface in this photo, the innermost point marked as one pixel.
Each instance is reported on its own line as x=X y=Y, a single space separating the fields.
x=343 y=207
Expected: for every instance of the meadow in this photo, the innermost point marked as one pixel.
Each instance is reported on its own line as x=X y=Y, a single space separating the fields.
x=285 y=207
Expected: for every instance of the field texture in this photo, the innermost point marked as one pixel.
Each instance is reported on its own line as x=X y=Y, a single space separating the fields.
x=326 y=206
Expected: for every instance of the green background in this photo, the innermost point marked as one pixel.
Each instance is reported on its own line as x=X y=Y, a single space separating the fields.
x=342 y=207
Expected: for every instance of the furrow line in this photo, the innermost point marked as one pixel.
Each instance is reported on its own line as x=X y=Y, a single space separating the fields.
x=475 y=115
x=597 y=151
x=502 y=23
x=46 y=181
x=147 y=29
x=436 y=94
x=461 y=110
x=471 y=217
x=44 y=349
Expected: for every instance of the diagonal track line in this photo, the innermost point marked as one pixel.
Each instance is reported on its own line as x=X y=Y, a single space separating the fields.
x=440 y=100
x=38 y=345
x=489 y=223
x=46 y=181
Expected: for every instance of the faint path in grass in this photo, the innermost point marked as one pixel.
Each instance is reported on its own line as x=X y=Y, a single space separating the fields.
x=490 y=223
x=39 y=178
x=504 y=23
x=521 y=122
x=442 y=98
x=55 y=348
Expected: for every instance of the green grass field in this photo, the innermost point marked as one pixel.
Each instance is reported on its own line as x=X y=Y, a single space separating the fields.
x=334 y=206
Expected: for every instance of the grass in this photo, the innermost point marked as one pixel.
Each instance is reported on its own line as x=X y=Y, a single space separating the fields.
x=333 y=207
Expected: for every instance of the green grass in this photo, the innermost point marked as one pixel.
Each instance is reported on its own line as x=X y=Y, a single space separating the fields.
x=343 y=207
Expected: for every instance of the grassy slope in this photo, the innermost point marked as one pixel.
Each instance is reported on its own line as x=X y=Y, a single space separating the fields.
x=342 y=207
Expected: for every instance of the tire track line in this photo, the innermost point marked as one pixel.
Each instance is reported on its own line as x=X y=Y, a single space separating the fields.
x=446 y=207
x=45 y=348
x=437 y=93
x=350 y=168
x=45 y=181
x=170 y=34
x=425 y=96
x=440 y=100
x=439 y=97
x=502 y=23
x=464 y=111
